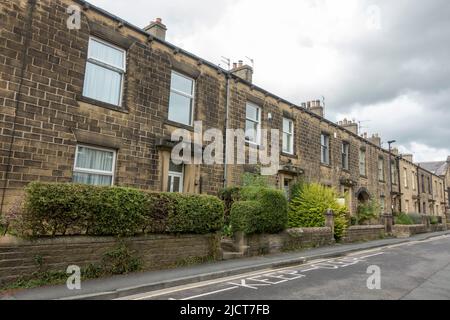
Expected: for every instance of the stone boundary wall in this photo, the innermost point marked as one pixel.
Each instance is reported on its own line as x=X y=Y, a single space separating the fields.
x=405 y=231
x=290 y=239
x=364 y=233
x=23 y=257
x=438 y=227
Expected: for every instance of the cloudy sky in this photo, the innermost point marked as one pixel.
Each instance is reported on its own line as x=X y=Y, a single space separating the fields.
x=382 y=62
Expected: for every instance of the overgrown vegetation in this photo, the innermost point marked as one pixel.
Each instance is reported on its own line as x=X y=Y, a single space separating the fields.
x=367 y=211
x=403 y=219
x=75 y=209
x=310 y=202
x=261 y=210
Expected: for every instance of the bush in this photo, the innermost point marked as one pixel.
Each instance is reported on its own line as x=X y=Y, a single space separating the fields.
x=59 y=209
x=185 y=213
x=262 y=210
x=404 y=219
x=308 y=207
x=434 y=220
x=255 y=180
x=416 y=217
x=368 y=211
x=229 y=196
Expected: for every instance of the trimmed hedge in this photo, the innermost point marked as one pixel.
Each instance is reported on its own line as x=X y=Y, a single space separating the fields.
x=262 y=210
x=59 y=209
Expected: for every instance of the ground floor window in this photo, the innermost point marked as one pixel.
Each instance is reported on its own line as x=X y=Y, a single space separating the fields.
x=175 y=177
x=94 y=166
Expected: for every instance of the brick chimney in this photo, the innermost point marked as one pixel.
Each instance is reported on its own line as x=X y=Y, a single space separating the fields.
x=408 y=157
x=349 y=125
x=375 y=139
x=243 y=71
x=315 y=106
x=157 y=29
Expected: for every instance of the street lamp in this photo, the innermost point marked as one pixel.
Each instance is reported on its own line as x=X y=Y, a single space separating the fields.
x=390 y=173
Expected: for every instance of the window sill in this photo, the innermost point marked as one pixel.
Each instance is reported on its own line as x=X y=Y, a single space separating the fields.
x=102 y=104
x=179 y=125
x=345 y=170
x=363 y=176
x=289 y=155
x=325 y=165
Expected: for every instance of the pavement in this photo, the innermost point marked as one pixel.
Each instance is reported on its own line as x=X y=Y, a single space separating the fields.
x=425 y=256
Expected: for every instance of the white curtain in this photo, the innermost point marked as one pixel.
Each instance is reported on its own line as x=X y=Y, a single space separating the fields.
x=102 y=84
x=94 y=159
x=93 y=179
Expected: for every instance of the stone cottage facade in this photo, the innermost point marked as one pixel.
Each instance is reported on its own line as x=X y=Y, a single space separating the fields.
x=87 y=97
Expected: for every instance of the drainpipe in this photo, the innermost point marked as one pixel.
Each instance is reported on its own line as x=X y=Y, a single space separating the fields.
x=397 y=160
x=227 y=108
x=418 y=190
x=27 y=37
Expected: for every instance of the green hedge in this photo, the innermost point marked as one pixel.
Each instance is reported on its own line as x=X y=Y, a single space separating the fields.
x=262 y=210
x=59 y=209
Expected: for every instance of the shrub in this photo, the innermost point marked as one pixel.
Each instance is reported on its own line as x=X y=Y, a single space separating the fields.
x=403 y=219
x=262 y=210
x=59 y=209
x=255 y=180
x=307 y=208
x=368 y=211
x=229 y=196
x=434 y=220
x=416 y=218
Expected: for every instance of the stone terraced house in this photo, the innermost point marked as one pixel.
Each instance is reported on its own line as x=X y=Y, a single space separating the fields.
x=97 y=103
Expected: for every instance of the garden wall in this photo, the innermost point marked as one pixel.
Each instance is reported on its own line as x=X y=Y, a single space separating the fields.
x=291 y=239
x=22 y=257
x=364 y=233
x=405 y=231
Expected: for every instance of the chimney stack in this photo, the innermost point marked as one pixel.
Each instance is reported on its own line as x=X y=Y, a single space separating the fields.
x=408 y=157
x=157 y=29
x=315 y=107
x=349 y=125
x=375 y=139
x=243 y=71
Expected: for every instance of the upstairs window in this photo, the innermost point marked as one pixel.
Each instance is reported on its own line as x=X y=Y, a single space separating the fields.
x=105 y=70
x=345 y=155
x=181 y=101
x=288 y=136
x=413 y=180
x=325 y=148
x=362 y=162
x=252 y=123
x=94 y=166
x=381 y=169
x=405 y=177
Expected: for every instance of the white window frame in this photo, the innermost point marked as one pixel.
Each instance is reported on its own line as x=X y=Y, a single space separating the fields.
x=414 y=180
x=291 y=134
x=381 y=173
x=94 y=171
x=325 y=146
x=405 y=178
x=346 y=154
x=174 y=174
x=362 y=164
x=184 y=94
x=105 y=65
x=257 y=121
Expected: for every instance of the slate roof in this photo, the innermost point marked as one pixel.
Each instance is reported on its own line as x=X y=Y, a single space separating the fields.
x=437 y=167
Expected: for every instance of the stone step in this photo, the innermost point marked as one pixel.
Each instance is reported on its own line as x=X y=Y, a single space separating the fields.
x=226 y=255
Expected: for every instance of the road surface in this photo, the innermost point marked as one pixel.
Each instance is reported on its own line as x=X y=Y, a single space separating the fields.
x=412 y=270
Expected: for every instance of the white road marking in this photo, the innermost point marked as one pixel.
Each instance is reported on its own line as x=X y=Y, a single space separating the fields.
x=209 y=293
